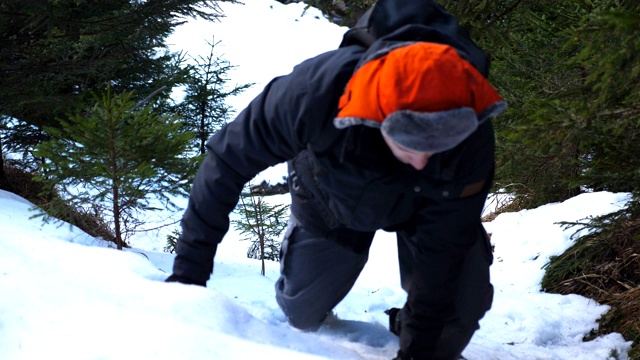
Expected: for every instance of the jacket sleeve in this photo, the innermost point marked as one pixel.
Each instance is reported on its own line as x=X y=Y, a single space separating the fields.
x=445 y=229
x=290 y=113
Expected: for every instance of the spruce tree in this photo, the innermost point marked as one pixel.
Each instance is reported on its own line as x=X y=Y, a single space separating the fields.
x=118 y=156
x=262 y=224
x=54 y=54
x=204 y=109
x=607 y=41
x=342 y=12
x=543 y=139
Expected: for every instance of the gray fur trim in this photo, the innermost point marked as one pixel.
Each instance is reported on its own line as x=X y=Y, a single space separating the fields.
x=345 y=122
x=492 y=111
x=430 y=132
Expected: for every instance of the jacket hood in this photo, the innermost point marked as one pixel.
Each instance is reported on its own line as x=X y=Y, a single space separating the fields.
x=415 y=20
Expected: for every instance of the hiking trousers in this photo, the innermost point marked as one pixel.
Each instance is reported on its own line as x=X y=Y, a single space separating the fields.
x=317 y=271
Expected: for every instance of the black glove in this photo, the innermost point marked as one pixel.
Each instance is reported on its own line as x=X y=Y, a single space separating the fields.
x=394 y=320
x=184 y=280
x=402 y=356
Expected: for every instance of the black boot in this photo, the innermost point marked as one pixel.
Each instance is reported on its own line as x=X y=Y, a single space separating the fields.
x=402 y=356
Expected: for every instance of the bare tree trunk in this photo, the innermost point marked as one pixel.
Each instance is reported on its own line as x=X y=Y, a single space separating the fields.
x=203 y=128
x=116 y=216
x=262 y=251
x=115 y=193
x=260 y=223
x=4 y=182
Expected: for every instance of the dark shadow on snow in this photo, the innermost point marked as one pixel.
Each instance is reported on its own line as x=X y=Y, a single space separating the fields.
x=371 y=334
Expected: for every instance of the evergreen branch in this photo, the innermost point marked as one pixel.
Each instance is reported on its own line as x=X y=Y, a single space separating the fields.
x=154 y=228
x=143 y=101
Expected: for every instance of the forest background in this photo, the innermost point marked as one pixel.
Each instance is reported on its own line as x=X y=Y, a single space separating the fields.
x=570 y=71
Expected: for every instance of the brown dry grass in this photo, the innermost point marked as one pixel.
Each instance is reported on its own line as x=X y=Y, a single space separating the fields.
x=624 y=318
x=605 y=266
x=21 y=182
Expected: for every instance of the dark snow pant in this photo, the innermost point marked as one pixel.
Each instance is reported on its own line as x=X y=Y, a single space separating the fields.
x=317 y=272
x=474 y=293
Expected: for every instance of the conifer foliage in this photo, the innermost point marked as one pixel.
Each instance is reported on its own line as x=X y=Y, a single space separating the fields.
x=204 y=108
x=54 y=54
x=120 y=157
x=570 y=72
x=262 y=224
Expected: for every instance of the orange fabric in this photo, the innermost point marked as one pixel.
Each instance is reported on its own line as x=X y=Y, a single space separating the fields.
x=422 y=76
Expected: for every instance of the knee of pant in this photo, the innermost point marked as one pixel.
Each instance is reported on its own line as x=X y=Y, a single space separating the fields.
x=298 y=316
x=304 y=323
x=301 y=319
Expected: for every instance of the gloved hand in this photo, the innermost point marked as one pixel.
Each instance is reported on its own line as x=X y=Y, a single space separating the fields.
x=394 y=320
x=184 y=280
x=403 y=356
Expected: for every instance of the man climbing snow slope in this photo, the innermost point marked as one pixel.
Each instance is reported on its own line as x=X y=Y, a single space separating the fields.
x=390 y=131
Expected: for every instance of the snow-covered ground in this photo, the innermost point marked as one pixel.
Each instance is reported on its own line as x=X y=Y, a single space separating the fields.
x=64 y=294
